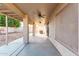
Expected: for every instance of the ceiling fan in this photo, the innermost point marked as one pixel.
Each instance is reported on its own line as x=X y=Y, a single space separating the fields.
x=40 y=15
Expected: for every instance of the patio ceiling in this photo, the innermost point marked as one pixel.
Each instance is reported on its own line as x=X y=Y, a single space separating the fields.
x=33 y=10
x=4 y=10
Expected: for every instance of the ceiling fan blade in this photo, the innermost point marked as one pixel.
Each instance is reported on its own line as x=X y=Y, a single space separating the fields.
x=40 y=15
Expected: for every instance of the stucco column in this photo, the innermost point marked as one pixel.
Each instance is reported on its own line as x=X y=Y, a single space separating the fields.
x=47 y=27
x=33 y=29
x=6 y=30
x=26 y=29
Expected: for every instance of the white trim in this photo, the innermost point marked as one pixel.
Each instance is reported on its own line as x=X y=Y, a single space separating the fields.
x=63 y=50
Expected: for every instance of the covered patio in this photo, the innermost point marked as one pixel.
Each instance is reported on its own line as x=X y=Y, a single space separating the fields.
x=47 y=29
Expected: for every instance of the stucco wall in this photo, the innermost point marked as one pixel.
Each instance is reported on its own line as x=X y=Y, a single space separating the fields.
x=64 y=27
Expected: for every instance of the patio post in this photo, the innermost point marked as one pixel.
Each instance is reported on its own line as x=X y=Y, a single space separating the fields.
x=6 y=30
x=26 y=29
x=47 y=27
x=33 y=29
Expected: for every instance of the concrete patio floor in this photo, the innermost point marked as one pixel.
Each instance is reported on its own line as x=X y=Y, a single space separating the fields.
x=12 y=47
x=37 y=47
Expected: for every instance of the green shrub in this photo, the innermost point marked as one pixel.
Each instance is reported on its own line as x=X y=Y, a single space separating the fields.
x=2 y=20
x=11 y=22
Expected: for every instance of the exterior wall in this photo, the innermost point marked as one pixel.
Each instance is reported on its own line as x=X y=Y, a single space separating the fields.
x=52 y=29
x=64 y=28
x=78 y=29
x=40 y=27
